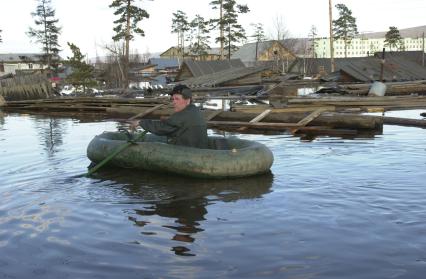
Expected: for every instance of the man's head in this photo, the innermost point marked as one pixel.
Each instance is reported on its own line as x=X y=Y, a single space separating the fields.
x=181 y=97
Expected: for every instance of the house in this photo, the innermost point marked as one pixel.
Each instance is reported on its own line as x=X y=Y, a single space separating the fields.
x=272 y=53
x=11 y=63
x=165 y=65
x=172 y=53
x=158 y=71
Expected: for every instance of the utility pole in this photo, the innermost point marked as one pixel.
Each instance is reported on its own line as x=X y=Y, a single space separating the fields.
x=330 y=7
x=221 y=31
x=423 y=49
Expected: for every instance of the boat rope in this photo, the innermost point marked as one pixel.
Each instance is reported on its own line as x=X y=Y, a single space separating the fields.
x=131 y=139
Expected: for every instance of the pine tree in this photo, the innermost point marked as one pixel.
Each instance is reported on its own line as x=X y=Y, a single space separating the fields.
x=345 y=27
x=314 y=43
x=230 y=31
x=258 y=35
x=82 y=74
x=393 y=38
x=199 y=36
x=126 y=26
x=47 y=33
x=180 y=25
x=258 y=32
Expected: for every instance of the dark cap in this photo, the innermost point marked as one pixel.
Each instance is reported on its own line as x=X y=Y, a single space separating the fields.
x=183 y=90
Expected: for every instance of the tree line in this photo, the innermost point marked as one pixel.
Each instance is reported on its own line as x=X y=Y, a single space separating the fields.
x=196 y=32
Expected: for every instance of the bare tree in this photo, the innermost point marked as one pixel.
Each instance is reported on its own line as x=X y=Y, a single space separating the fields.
x=280 y=31
x=114 y=66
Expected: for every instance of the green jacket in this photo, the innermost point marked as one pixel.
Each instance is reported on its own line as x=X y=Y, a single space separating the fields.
x=186 y=127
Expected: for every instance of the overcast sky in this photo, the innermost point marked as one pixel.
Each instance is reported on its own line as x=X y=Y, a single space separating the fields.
x=88 y=23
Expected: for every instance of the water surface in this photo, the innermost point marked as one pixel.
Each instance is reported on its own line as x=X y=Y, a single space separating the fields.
x=331 y=208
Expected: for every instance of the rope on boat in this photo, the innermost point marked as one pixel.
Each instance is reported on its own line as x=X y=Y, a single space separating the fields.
x=131 y=140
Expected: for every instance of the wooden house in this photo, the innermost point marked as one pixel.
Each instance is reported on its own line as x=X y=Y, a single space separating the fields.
x=176 y=53
x=172 y=53
x=272 y=53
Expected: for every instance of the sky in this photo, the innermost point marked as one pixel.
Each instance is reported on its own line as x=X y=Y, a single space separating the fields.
x=89 y=23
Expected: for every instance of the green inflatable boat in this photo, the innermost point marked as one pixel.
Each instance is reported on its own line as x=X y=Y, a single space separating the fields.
x=225 y=157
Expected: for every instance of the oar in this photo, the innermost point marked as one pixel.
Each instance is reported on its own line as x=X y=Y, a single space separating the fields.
x=115 y=152
x=124 y=146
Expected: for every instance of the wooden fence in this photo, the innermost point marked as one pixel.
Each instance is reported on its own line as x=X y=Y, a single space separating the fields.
x=26 y=88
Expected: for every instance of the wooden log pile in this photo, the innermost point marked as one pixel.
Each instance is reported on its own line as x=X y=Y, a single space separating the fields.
x=392 y=88
x=313 y=119
x=302 y=115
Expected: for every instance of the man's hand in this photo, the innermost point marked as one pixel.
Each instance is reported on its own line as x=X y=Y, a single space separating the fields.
x=133 y=124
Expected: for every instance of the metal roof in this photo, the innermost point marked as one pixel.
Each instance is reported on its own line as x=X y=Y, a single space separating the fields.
x=164 y=63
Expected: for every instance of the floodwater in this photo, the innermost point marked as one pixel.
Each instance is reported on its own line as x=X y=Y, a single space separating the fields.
x=331 y=208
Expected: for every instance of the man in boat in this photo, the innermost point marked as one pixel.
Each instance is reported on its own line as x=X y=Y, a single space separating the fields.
x=186 y=126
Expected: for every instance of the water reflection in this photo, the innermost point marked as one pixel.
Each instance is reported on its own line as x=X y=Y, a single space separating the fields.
x=184 y=200
x=1 y=118
x=51 y=132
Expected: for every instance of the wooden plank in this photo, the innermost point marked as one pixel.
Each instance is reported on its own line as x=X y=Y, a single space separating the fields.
x=307 y=119
x=253 y=125
x=261 y=116
x=311 y=116
x=260 y=108
x=256 y=119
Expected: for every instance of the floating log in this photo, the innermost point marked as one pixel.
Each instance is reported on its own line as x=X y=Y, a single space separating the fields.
x=421 y=123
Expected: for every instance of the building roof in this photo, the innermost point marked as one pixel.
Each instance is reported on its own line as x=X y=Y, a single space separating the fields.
x=164 y=63
x=364 y=68
x=200 y=68
x=224 y=76
x=20 y=57
x=414 y=56
x=247 y=52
